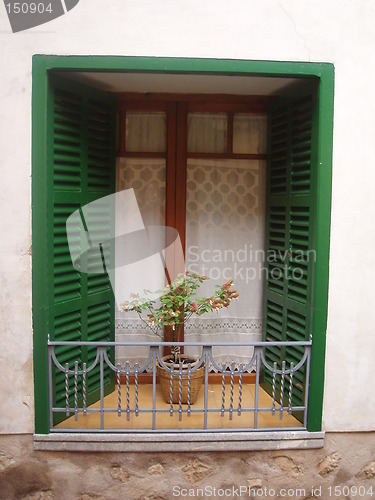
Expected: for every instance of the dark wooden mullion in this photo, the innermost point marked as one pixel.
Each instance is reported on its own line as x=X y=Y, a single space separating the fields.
x=228 y=106
x=181 y=156
x=170 y=194
x=227 y=156
x=122 y=142
x=141 y=104
x=223 y=156
x=139 y=154
x=181 y=174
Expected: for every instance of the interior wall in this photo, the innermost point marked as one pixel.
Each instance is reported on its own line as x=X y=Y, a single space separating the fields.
x=340 y=32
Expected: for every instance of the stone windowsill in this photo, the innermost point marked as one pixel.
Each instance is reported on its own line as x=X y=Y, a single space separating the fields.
x=159 y=442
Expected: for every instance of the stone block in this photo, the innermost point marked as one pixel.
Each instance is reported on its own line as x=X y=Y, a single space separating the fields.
x=196 y=470
x=329 y=464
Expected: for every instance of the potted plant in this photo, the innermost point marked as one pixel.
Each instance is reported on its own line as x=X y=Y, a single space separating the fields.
x=166 y=316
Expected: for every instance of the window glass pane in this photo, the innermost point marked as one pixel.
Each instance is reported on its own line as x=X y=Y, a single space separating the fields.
x=249 y=134
x=146 y=132
x=207 y=133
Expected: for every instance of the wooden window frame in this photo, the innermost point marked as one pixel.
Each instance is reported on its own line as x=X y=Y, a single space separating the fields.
x=177 y=107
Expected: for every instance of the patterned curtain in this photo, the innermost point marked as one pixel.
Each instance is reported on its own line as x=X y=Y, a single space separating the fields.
x=147 y=178
x=225 y=240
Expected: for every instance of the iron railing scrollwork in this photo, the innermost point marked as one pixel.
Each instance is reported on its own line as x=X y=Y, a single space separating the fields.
x=73 y=401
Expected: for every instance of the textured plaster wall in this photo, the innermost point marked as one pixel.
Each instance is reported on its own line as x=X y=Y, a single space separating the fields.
x=344 y=468
x=339 y=31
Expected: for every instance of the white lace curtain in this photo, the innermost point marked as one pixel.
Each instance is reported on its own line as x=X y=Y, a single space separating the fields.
x=224 y=233
x=147 y=178
x=224 y=240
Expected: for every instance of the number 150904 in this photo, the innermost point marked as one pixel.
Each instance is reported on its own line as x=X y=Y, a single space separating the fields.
x=28 y=8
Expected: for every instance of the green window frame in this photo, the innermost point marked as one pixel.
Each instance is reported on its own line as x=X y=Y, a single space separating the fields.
x=322 y=73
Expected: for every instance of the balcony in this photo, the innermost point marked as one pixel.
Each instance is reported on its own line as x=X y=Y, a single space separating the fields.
x=267 y=394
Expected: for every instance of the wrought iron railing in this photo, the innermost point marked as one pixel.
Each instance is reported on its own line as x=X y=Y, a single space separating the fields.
x=285 y=384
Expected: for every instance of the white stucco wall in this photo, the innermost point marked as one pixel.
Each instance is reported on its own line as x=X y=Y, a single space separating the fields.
x=339 y=31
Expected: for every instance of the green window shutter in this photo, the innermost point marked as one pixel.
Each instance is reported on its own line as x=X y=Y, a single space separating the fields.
x=82 y=153
x=290 y=209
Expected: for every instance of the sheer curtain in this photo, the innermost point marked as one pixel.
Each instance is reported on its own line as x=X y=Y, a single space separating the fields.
x=147 y=178
x=225 y=240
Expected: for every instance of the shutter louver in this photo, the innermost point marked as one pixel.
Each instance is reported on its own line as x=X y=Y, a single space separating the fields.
x=100 y=180
x=67 y=140
x=289 y=236
x=277 y=248
x=299 y=254
x=99 y=145
x=82 y=305
x=301 y=145
x=67 y=281
x=101 y=229
x=278 y=164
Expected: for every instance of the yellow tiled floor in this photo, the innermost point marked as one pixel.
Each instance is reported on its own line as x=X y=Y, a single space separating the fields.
x=194 y=421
